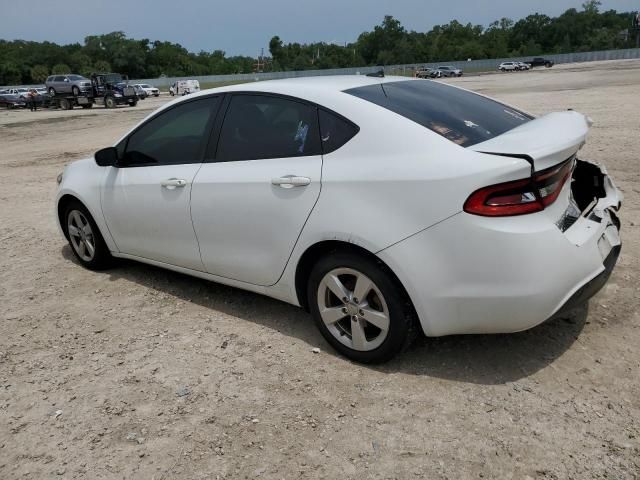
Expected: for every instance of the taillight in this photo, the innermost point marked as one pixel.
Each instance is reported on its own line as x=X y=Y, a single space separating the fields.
x=519 y=197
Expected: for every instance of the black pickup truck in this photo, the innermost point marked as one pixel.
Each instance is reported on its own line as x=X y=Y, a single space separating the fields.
x=540 y=62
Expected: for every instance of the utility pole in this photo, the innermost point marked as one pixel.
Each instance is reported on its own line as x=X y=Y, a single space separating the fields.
x=258 y=67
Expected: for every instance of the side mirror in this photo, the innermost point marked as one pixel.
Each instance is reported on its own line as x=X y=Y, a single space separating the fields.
x=106 y=157
x=66 y=79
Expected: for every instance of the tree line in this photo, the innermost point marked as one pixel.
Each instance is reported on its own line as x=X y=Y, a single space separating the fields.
x=25 y=62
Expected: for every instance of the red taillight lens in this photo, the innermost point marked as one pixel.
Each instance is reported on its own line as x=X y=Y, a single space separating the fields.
x=520 y=196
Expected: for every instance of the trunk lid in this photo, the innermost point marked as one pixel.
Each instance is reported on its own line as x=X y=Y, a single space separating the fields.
x=547 y=140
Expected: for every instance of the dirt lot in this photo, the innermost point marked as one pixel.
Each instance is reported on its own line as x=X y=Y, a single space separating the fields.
x=142 y=373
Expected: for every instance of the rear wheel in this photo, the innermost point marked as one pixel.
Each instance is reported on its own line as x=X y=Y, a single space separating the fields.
x=359 y=307
x=65 y=104
x=85 y=239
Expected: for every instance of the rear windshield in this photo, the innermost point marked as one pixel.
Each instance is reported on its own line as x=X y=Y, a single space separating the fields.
x=463 y=117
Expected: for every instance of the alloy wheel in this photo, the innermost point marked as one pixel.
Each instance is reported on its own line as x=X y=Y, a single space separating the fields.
x=81 y=235
x=353 y=309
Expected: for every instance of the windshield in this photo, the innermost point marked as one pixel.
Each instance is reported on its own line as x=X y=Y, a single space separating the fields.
x=461 y=116
x=113 y=78
x=145 y=85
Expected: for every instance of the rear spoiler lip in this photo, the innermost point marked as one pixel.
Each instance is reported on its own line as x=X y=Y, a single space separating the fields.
x=544 y=141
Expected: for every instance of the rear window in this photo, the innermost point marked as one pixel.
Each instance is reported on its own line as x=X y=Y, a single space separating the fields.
x=463 y=117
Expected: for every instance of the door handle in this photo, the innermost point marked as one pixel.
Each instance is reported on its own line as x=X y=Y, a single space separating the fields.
x=290 y=181
x=172 y=183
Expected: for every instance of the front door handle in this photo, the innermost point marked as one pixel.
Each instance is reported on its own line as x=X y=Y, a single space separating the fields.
x=173 y=183
x=290 y=181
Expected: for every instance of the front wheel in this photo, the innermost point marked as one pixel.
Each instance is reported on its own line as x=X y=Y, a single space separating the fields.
x=359 y=307
x=85 y=239
x=52 y=91
x=133 y=103
x=75 y=91
x=110 y=102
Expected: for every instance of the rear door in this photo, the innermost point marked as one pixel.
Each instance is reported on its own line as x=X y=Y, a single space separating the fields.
x=250 y=204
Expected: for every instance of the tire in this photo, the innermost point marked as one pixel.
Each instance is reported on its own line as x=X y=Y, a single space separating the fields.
x=75 y=91
x=547 y=65
x=65 y=104
x=156 y=94
x=171 y=93
x=384 y=300
x=133 y=104
x=52 y=91
x=110 y=102
x=83 y=235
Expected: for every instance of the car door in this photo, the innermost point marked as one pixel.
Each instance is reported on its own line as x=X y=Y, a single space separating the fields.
x=145 y=199
x=251 y=202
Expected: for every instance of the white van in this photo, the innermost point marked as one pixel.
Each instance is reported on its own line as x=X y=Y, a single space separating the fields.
x=184 y=87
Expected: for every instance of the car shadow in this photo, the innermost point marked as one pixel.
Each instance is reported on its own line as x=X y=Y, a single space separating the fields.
x=480 y=359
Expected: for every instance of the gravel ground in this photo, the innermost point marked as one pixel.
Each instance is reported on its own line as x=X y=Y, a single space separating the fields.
x=142 y=373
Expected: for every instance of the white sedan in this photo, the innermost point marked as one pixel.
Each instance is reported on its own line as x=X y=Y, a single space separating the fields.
x=509 y=66
x=384 y=206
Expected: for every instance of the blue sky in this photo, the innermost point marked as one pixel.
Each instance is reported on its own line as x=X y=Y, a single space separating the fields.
x=244 y=26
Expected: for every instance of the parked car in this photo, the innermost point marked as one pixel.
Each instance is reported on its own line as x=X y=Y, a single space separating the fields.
x=541 y=62
x=508 y=67
x=184 y=87
x=149 y=89
x=381 y=205
x=20 y=92
x=426 y=72
x=449 y=71
x=71 y=83
x=523 y=66
x=141 y=92
x=11 y=100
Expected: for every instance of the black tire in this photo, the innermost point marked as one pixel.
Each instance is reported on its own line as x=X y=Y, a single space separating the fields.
x=401 y=331
x=52 y=91
x=75 y=91
x=65 y=104
x=110 y=102
x=133 y=104
x=101 y=258
x=547 y=65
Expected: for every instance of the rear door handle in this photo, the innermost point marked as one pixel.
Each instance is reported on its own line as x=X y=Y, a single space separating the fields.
x=290 y=181
x=173 y=183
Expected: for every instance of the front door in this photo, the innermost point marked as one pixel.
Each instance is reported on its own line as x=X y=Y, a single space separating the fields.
x=146 y=199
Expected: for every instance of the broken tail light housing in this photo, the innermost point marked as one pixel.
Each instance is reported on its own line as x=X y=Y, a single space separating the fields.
x=519 y=197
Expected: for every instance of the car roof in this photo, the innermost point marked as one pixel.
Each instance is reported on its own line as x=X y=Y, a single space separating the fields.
x=318 y=89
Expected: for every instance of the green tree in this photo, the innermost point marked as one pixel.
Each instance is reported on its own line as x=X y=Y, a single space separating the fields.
x=60 y=68
x=39 y=73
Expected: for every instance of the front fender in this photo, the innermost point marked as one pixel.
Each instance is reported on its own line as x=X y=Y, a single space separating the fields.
x=82 y=181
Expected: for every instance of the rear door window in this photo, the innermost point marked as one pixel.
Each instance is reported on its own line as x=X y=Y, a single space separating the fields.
x=263 y=126
x=461 y=116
